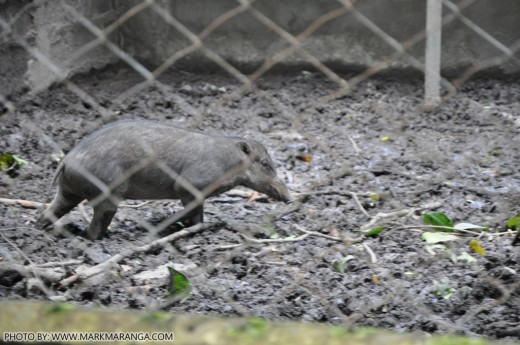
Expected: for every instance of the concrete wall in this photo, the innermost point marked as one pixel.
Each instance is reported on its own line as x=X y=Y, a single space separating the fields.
x=342 y=43
x=51 y=30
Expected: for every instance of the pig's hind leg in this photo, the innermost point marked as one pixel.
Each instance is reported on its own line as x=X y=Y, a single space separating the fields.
x=104 y=211
x=62 y=204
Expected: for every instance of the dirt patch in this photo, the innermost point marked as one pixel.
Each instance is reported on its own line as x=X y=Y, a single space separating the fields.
x=464 y=155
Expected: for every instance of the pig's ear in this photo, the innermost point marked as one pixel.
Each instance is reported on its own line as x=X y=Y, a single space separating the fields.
x=244 y=146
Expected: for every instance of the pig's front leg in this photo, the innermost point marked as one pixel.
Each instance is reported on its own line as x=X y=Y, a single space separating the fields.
x=194 y=216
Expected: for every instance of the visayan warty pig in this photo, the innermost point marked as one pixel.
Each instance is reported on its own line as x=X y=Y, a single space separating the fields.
x=140 y=159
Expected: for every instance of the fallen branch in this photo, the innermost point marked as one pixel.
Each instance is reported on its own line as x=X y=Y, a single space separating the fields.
x=97 y=269
x=40 y=205
x=59 y=263
x=47 y=274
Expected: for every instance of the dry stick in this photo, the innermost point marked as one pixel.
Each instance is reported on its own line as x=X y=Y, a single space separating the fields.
x=370 y=252
x=358 y=203
x=333 y=238
x=306 y=233
x=39 y=205
x=136 y=206
x=23 y=203
x=455 y=231
x=275 y=240
x=94 y=270
x=59 y=263
x=22 y=270
x=400 y=213
x=357 y=150
x=32 y=270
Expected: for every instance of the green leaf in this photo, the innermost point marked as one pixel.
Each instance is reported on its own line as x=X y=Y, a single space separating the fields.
x=374 y=197
x=6 y=161
x=20 y=162
x=475 y=247
x=514 y=223
x=306 y=74
x=437 y=237
x=9 y=161
x=60 y=308
x=374 y=232
x=179 y=286
x=341 y=202
x=339 y=265
x=438 y=219
x=442 y=290
x=270 y=231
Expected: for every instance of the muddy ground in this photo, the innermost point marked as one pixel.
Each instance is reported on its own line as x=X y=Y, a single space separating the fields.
x=462 y=159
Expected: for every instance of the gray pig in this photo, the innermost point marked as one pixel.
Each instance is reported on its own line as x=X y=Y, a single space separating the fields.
x=140 y=159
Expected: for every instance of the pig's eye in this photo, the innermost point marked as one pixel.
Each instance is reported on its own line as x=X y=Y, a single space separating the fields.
x=264 y=164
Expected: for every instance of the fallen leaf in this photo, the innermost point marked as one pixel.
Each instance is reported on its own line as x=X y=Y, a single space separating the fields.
x=374 y=231
x=178 y=287
x=436 y=237
x=468 y=226
x=475 y=247
x=304 y=158
x=466 y=257
x=438 y=219
x=374 y=197
x=126 y=268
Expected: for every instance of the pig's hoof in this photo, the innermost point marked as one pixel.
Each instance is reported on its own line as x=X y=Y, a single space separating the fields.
x=42 y=223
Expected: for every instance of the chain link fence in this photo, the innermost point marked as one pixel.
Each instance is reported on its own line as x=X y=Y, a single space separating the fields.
x=357 y=146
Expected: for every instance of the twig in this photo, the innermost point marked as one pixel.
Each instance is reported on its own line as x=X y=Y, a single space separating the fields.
x=330 y=192
x=21 y=268
x=230 y=246
x=99 y=268
x=136 y=206
x=23 y=203
x=356 y=199
x=400 y=213
x=339 y=239
x=455 y=231
x=32 y=270
x=59 y=263
x=373 y=257
x=357 y=150
x=275 y=240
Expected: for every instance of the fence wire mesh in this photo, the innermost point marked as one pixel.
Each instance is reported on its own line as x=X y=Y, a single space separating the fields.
x=358 y=152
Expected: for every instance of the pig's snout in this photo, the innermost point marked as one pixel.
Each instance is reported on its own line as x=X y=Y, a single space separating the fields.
x=278 y=190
